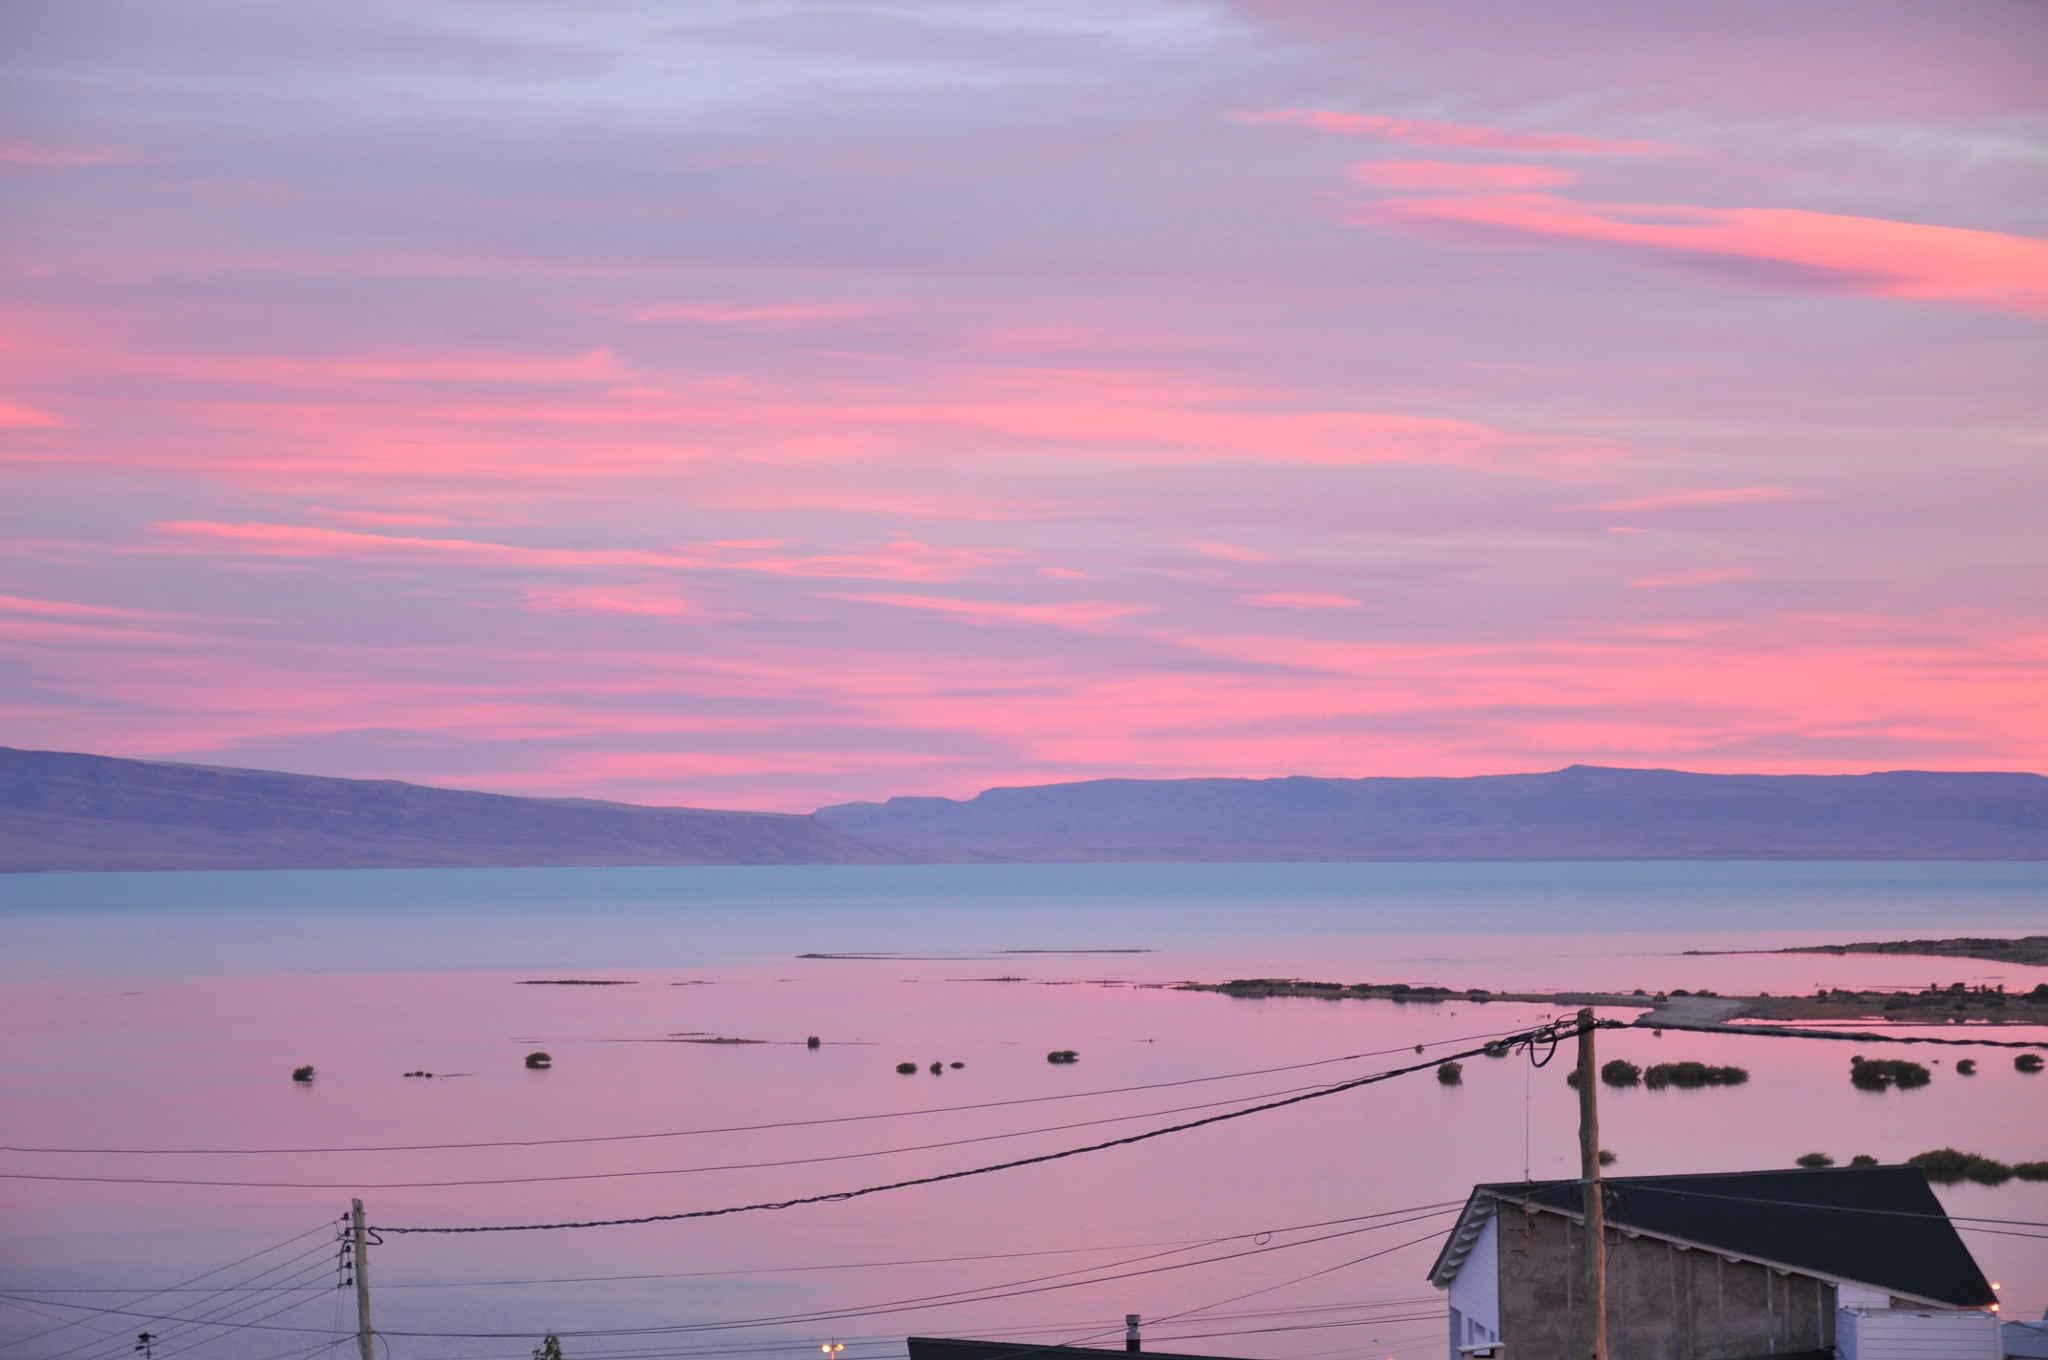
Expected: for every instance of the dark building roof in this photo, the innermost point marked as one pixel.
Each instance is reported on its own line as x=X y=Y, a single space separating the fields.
x=1875 y=1226
x=942 y=1348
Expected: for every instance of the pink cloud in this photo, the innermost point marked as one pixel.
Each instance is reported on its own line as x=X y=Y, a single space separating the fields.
x=1702 y=576
x=1665 y=500
x=1230 y=552
x=1301 y=601
x=1085 y=615
x=1867 y=255
x=378 y=517
x=16 y=604
x=25 y=153
x=790 y=313
x=1463 y=136
x=900 y=559
x=1454 y=176
x=645 y=602
x=14 y=415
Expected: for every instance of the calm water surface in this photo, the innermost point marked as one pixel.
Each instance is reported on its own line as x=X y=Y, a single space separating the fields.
x=166 y=1011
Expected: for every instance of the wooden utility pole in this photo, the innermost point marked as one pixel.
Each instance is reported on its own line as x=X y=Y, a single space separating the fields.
x=1589 y=1184
x=365 y=1340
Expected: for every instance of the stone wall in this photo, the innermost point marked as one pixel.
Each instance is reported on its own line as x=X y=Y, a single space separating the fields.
x=1663 y=1302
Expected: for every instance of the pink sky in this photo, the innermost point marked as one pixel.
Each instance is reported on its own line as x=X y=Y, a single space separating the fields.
x=731 y=406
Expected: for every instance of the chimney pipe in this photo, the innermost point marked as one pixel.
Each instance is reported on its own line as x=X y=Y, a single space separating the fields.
x=1131 y=1333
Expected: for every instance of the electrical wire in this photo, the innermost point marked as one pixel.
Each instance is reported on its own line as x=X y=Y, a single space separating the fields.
x=657 y=1171
x=1551 y=1033
x=735 y=1128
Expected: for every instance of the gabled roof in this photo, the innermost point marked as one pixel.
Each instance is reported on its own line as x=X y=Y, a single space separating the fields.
x=944 y=1348
x=1878 y=1227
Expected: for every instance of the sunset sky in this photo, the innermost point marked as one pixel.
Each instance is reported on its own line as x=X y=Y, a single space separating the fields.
x=742 y=404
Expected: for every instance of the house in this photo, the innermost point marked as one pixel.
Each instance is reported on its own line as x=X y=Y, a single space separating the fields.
x=940 y=1348
x=1719 y=1267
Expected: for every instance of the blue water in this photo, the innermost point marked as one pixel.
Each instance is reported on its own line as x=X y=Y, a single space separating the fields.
x=168 y=1011
x=441 y=919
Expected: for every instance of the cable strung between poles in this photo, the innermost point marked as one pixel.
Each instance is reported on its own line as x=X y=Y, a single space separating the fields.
x=1550 y=1035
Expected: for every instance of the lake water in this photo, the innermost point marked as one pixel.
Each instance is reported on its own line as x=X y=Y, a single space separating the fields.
x=166 y=1011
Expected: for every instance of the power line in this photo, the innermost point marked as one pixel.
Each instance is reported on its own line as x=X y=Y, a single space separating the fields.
x=840 y=1265
x=197 y=1278
x=735 y=1128
x=1549 y=1033
x=627 y=1175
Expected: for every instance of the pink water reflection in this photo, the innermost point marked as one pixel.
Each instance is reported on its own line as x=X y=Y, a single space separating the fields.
x=204 y=1063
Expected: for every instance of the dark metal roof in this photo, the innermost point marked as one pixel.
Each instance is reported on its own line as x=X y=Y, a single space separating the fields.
x=1875 y=1226
x=942 y=1348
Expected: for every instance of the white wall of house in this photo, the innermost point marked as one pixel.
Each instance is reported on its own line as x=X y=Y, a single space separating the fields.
x=1475 y=1292
x=1912 y=1334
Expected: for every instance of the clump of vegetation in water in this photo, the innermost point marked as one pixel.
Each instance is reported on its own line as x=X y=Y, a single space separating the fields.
x=303 y=1073
x=1608 y=1158
x=2031 y=1171
x=1967 y=1067
x=2027 y=1062
x=550 y=1348
x=1062 y=1055
x=540 y=1062
x=1946 y=1166
x=811 y=1042
x=956 y=1066
x=1875 y=1074
x=1814 y=1161
x=1863 y=1159
x=1450 y=1073
x=1621 y=1072
x=1691 y=1075
x=906 y=1068
x=937 y=1068
x=1497 y=1050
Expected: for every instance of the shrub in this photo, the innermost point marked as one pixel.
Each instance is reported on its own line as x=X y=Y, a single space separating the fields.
x=1967 y=1067
x=906 y=1068
x=1946 y=1166
x=1814 y=1161
x=1621 y=1072
x=1875 y=1074
x=2027 y=1062
x=1863 y=1159
x=303 y=1073
x=539 y=1061
x=2031 y=1171
x=1062 y=1055
x=1690 y=1075
x=1450 y=1073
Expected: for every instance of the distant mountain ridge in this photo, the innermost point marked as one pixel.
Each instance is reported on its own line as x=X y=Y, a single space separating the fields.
x=65 y=811
x=61 y=811
x=1583 y=812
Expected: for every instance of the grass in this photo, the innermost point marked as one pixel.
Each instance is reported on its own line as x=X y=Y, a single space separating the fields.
x=1621 y=1072
x=1876 y=1074
x=1691 y=1075
x=1946 y=1166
